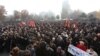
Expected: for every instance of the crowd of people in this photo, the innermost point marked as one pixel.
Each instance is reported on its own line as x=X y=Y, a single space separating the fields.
x=49 y=39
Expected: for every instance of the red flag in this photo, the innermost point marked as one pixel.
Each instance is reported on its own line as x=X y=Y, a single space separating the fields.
x=22 y=23
x=31 y=23
x=67 y=23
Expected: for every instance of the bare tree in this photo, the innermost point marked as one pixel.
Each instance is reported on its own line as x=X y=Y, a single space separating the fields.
x=2 y=12
x=24 y=14
x=17 y=14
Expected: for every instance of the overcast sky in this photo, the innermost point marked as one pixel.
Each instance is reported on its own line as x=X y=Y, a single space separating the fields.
x=37 y=6
x=85 y=5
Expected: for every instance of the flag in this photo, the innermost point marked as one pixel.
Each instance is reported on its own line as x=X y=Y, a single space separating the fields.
x=67 y=23
x=22 y=23
x=31 y=23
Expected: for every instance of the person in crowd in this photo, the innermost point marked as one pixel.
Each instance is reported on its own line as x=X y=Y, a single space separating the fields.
x=27 y=53
x=81 y=45
x=95 y=43
x=15 y=51
x=60 y=52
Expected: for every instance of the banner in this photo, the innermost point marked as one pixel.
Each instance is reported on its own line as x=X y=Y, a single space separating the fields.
x=76 y=51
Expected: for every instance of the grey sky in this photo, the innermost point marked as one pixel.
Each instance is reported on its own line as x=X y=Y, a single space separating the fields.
x=37 y=6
